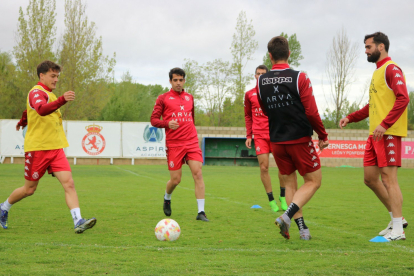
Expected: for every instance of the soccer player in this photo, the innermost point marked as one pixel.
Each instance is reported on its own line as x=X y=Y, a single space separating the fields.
x=287 y=99
x=387 y=112
x=257 y=124
x=177 y=110
x=43 y=145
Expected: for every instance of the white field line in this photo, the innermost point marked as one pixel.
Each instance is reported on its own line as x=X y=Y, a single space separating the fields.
x=340 y=230
x=208 y=249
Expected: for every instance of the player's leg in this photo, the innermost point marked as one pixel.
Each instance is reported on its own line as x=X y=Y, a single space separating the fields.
x=196 y=171
x=282 y=195
x=395 y=199
x=263 y=160
x=175 y=179
x=18 y=194
x=372 y=180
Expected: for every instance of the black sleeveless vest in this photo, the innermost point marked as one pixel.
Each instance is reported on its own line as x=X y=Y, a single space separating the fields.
x=279 y=93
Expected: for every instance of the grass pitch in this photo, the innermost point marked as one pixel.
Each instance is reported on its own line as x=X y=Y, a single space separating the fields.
x=127 y=202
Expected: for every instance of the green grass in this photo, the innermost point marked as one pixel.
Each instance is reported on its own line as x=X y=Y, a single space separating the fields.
x=127 y=201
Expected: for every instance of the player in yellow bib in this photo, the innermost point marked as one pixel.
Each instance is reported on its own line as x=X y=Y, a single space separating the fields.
x=387 y=112
x=43 y=146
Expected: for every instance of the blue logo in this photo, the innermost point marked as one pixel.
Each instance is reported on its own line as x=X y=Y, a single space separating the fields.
x=153 y=134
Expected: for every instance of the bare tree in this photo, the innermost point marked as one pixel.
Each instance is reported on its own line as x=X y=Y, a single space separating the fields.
x=340 y=69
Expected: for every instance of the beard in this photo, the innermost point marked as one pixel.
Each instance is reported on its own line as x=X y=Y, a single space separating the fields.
x=374 y=56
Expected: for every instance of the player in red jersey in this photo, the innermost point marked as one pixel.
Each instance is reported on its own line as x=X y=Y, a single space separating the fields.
x=257 y=124
x=287 y=99
x=176 y=107
x=44 y=145
x=387 y=112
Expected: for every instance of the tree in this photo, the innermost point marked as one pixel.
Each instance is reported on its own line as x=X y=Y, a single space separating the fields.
x=340 y=68
x=85 y=69
x=410 y=111
x=329 y=116
x=295 y=52
x=242 y=49
x=35 y=38
x=11 y=98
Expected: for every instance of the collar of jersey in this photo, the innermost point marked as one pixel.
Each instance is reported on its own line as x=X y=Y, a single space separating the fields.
x=280 y=66
x=44 y=86
x=382 y=62
x=175 y=92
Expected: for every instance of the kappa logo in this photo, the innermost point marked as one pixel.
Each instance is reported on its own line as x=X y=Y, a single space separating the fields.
x=313 y=157
x=397 y=75
x=258 y=149
x=276 y=88
x=310 y=144
x=306 y=76
x=391 y=152
x=39 y=101
x=395 y=68
x=26 y=167
x=312 y=151
x=400 y=83
x=153 y=134
x=36 y=95
x=254 y=94
x=171 y=98
x=310 y=84
x=171 y=164
x=29 y=155
x=25 y=174
x=182 y=107
x=390 y=145
x=390 y=137
x=27 y=161
x=35 y=175
x=276 y=80
x=392 y=159
x=315 y=164
x=187 y=98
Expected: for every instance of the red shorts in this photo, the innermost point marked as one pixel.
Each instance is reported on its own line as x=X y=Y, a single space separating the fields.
x=37 y=162
x=384 y=153
x=177 y=156
x=291 y=157
x=262 y=144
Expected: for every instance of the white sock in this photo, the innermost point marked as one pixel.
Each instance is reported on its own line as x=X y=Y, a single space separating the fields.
x=397 y=226
x=76 y=215
x=200 y=204
x=6 y=205
x=390 y=215
x=167 y=196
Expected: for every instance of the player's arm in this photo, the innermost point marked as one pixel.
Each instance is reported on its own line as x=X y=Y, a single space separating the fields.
x=259 y=98
x=311 y=109
x=248 y=120
x=395 y=80
x=157 y=113
x=355 y=117
x=38 y=100
x=23 y=121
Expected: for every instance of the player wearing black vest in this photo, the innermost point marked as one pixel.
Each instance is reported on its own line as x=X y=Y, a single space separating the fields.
x=286 y=97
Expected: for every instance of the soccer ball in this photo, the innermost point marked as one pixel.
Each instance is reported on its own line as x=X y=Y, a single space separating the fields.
x=167 y=230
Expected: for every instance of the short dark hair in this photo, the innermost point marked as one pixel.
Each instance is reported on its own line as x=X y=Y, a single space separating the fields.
x=263 y=67
x=279 y=48
x=379 y=38
x=47 y=65
x=177 y=71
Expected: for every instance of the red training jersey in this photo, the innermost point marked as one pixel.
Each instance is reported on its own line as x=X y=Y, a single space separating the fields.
x=400 y=92
x=177 y=106
x=256 y=121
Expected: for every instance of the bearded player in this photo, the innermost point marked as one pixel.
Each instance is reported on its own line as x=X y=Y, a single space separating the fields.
x=387 y=112
x=176 y=107
x=257 y=124
x=43 y=145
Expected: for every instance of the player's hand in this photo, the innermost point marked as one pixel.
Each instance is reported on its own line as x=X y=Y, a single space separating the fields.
x=378 y=133
x=343 y=122
x=323 y=144
x=18 y=127
x=249 y=143
x=69 y=96
x=173 y=124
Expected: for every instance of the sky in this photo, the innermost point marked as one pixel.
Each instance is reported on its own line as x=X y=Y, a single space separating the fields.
x=151 y=37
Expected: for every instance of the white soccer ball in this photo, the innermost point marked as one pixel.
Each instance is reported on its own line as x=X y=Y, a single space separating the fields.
x=167 y=230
